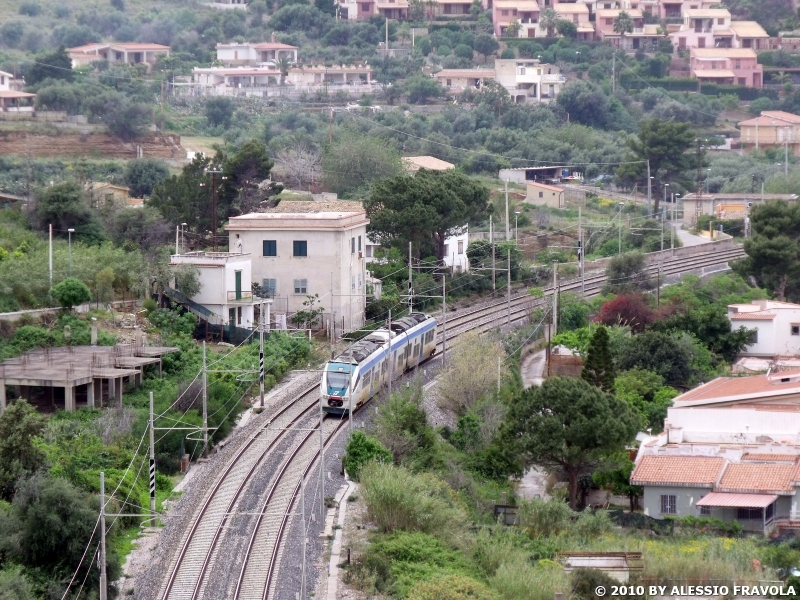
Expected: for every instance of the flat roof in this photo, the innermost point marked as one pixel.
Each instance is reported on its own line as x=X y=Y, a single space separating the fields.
x=707 y=12
x=723 y=53
x=465 y=73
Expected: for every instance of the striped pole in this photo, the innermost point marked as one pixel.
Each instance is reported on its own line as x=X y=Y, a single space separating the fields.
x=152 y=467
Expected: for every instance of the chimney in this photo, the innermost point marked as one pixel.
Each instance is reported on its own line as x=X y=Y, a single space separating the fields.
x=274 y=38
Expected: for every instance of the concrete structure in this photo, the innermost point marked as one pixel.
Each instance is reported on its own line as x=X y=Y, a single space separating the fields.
x=413 y=164
x=604 y=24
x=86 y=374
x=725 y=205
x=772 y=128
x=457 y=80
x=541 y=194
x=101 y=193
x=776 y=325
x=235 y=78
x=734 y=66
x=334 y=75
x=578 y=13
x=225 y=285
x=255 y=54
x=113 y=52
x=529 y=80
x=455 y=252
x=547 y=175
x=299 y=249
x=12 y=98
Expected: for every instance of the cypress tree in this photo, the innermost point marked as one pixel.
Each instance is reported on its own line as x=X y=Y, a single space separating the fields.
x=599 y=366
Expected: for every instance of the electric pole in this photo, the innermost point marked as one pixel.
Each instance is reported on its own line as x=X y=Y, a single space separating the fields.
x=205 y=404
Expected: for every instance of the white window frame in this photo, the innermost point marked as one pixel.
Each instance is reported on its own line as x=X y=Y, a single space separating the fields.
x=670 y=503
x=300 y=287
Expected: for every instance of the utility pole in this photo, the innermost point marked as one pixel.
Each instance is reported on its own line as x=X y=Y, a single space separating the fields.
x=51 y=256
x=391 y=359
x=580 y=249
x=508 y=286
x=508 y=229
x=786 y=157
x=214 y=176
x=152 y=466
x=649 y=189
x=491 y=241
x=444 y=318
x=499 y=367
x=555 y=299
x=102 y=557
x=261 y=358
x=321 y=466
x=305 y=535
x=205 y=404
x=177 y=238
x=410 y=289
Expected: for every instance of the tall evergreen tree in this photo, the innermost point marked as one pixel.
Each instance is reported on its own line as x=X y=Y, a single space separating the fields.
x=599 y=366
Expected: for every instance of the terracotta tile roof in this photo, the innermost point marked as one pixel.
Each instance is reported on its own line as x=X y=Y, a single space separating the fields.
x=781 y=114
x=552 y=188
x=766 y=456
x=749 y=29
x=678 y=470
x=757 y=477
x=427 y=162
x=752 y=317
x=737 y=500
x=743 y=388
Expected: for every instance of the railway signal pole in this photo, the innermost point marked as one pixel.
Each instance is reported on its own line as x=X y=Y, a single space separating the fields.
x=152 y=467
x=444 y=319
x=102 y=557
x=410 y=283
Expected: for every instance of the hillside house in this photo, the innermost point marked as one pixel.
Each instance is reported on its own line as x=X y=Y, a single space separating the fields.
x=673 y=9
x=604 y=24
x=225 y=286
x=540 y=194
x=525 y=12
x=749 y=34
x=732 y=66
x=255 y=54
x=776 y=325
x=457 y=80
x=529 y=80
x=704 y=28
x=305 y=248
x=222 y=79
x=113 y=52
x=333 y=75
x=771 y=129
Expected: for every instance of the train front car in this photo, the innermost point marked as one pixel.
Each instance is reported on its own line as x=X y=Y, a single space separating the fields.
x=336 y=385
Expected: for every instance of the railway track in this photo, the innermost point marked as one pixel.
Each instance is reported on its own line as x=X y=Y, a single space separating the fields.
x=213 y=561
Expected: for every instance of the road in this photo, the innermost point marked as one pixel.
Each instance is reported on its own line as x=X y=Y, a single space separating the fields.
x=689 y=239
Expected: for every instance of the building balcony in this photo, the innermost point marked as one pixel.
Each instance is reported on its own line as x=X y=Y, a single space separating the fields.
x=553 y=78
x=240 y=297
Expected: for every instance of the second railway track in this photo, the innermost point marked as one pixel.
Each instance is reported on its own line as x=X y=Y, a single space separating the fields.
x=235 y=544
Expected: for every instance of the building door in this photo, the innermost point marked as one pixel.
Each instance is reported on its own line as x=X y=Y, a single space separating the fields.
x=231 y=316
x=701 y=42
x=238 y=275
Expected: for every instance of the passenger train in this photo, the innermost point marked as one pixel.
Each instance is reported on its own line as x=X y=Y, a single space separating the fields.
x=358 y=373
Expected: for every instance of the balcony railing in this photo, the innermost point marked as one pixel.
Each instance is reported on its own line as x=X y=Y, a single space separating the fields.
x=240 y=296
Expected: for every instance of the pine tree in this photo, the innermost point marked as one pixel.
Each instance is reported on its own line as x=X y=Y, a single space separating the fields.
x=599 y=366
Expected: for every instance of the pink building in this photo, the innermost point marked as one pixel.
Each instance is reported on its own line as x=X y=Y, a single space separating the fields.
x=704 y=28
x=604 y=23
x=670 y=9
x=737 y=66
x=526 y=12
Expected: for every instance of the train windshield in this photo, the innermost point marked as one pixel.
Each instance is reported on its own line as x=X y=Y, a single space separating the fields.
x=338 y=378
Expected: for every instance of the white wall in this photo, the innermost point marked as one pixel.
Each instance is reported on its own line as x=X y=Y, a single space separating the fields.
x=456 y=252
x=735 y=425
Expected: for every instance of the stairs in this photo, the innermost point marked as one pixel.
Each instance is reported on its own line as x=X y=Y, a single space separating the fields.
x=192 y=306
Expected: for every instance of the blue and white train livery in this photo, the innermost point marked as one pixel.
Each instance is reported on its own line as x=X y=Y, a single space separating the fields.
x=359 y=372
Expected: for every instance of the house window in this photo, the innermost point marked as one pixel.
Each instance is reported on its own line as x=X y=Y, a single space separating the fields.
x=705 y=511
x=738 y=64
x=369 y=251
x=301 y=286
x=749 y=514
x=300 y=248
x=522 y=71
x=352 y=283
x=721 y=21
x=770 y=512
x=795 y=329
x=270 y=286
x=365 y=7
x=541 y=194
x=446 y=249
x=2 y=79
x=609 y=21
x=359 y=243
x=239 y=315
x=669 y=504
x=753 y=339
x=461 y=247
x=504 y=13
x=269 y=248
x=359 y=281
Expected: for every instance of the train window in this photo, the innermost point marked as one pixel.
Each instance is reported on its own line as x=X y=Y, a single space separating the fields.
x=367 y=379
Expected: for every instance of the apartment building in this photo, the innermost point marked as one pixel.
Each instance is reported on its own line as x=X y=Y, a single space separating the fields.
x=255 y=54
x=114 y=52
x=528 y=80
x=704 y=28
x=524 y=12
x=771 y=129
x=305 y=248
x=604 y=24
x=732 y=66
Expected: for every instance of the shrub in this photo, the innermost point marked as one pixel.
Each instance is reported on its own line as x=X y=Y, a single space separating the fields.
x=586 y=581
x=362 y=449
x=451 y=587
x=542 y=518
x=399 y=500
x=71 y=292
x=626 y=309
